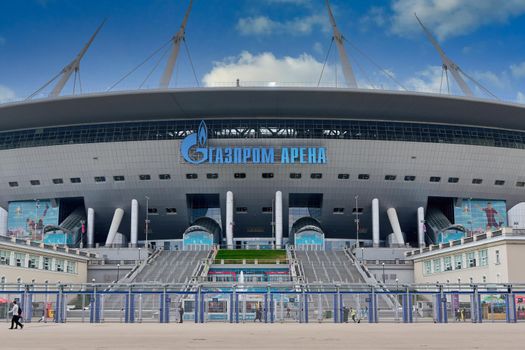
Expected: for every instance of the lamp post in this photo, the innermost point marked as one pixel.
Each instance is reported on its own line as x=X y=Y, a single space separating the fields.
x=118 y=272
x=357 y=221
x=147 y=222
x=383 y=264
x=139 y=256
x=362 y=255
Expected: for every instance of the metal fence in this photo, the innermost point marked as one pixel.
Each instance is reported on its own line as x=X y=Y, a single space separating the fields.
x=265 y=303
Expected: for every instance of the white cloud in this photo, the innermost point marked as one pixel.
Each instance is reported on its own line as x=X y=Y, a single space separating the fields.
x=427 y=80
x=520 y=97
x=265 y=67
x=318 y=48
x=6 y=94
x=490 y=78
x=263 y=25
x=375 y=17
x=448 y=18
x=518 y=70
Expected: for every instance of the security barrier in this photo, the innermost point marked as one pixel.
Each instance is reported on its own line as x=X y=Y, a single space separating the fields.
x=266 y=303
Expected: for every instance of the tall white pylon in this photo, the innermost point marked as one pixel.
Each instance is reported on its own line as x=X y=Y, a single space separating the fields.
x=177 y=40
x=448 y=64
x=348 y=72
x=74 y=66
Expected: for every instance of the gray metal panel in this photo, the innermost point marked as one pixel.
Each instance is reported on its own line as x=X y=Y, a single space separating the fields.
x=376 y=158
x=261 y=103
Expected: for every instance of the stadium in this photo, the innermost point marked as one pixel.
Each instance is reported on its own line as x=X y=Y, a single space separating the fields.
x=268 y=203
x=407 y=150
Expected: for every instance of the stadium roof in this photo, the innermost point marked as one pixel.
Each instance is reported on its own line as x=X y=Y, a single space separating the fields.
x=271 y=102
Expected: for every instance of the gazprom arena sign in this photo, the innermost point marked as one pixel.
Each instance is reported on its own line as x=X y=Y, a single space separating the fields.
x=195 y=150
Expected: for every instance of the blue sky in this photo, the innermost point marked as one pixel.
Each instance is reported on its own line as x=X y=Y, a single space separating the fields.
x=284 y=41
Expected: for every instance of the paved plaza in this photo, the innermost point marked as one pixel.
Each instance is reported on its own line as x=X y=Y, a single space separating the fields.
x=264 y=336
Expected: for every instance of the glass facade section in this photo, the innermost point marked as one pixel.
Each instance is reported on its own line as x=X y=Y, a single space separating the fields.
x=268 y=128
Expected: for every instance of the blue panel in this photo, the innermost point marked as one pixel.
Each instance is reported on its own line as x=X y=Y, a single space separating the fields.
x=198 y=238
x=309 y=238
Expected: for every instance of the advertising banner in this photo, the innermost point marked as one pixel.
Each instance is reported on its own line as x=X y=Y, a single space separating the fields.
x=27 y=219
x=480 y=215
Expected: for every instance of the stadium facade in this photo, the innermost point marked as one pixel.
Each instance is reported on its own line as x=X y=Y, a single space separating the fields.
x=319 y=151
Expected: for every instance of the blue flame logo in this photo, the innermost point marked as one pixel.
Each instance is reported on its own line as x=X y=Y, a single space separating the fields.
x=198 y=143
x=202 y=134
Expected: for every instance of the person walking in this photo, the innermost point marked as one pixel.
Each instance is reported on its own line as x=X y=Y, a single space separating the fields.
x=16 y=311
x=181 y=313
x=353 y=315
x=258 y=314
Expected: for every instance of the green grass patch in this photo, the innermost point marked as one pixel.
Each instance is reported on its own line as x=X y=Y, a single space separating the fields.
x=251 y=254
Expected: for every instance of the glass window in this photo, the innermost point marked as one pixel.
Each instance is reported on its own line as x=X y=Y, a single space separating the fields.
x=239 y=176
x=471 y=259
x=410 y=178
x=33 y=262
x=267 y=175
x=144 y=177
x=212 y=176
x=58 y=181
x=435 y=179
x=390 y=177
x=192 y=176
x=153 y=211
x=59 y=265
x=47 y=263
x=497 y=258
x=267 y=210
x=437 y=265
x=316 y=176
x=363 y=176
x=164 y=176
x=477 y=181
x=453 y=180
x=34 y=182
x=13 y=184
x=20 y=259
x=118 y=178
x=5 y=257
x=520 y=184
x=343 y=176
x=458 y=261
x=448 y=263
x=339 y=210
x=499 y=182
x=75 y=180
x=100 y=179
x=428 y=267
x=241 y=210
x=295 y=176
x=483 y=257
x=71 y=267
x=171 y=211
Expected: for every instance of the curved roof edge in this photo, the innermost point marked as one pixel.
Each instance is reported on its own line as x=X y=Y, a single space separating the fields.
x=270 y=102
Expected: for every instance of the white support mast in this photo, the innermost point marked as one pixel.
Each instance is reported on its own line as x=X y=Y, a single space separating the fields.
x=177 y=40
x=448 y=64
x=74 y=66
x=345 y=62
